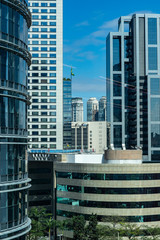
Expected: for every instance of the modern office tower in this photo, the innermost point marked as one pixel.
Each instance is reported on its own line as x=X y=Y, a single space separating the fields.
x=77 y=109
x=89 y=136
x=133 y=84
x=92 y=110
x=67 y=112
x=15 y=19
x=46 y=75
x=102 y=109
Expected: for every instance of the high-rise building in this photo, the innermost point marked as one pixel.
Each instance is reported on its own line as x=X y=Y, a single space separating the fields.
x=15 y=19
x=102 y=109
x=133 y=84
x=92 y=109
x=67 y=112
x=77 y=109
x=46 y=75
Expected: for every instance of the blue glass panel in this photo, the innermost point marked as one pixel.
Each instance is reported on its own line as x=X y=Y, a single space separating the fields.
x=152 y=30
x=152 y=58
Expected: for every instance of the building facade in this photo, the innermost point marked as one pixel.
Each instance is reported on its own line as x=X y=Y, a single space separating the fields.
x=102 y=109
x=77 y=109
x=67 y=112
x=114 y=184
x=15 y=19
x=92 y=109
x=46 y=75
x=133 y=80
x=89 y=136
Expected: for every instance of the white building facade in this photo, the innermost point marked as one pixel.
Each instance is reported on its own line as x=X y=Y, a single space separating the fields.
x=45 y=114
x=77 y=109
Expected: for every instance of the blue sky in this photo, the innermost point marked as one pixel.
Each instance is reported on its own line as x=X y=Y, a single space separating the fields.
x=86 y=25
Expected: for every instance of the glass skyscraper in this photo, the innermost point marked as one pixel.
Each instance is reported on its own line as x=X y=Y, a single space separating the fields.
x=46 y=75
x=15 y=19
x=133 y=84
x=67 y=112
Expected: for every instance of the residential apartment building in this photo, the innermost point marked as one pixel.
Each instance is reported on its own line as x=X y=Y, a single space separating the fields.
x=133 y=84
x=45 y=114
x=15 y=19
x=77 y=109
x=89 y=136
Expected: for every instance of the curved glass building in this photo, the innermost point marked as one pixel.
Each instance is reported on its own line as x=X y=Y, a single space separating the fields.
x=15 y=19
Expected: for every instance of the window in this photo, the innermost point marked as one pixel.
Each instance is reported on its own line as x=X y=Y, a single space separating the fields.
x=52 y=139
x=52 y=36
x=52 y=100
x=53 y=94
x=35 y=29
x=35 y=61
x=44 y=68
x=43 y=139
x=43 y=10
x=43 y=17
x=34 y=106
x=117 y=110
x=35 y=17
x=34 y=133
x=35 y=23
x=43 y=87
x=34 y=68
x=44 y=94
x=52 y=87
x=116 y=54
x=152 y=30
x=35 y=126
x=44 y=4
x=52 y=81
x=52 y=4
x=35 y=10
x=43 y=132
x=35 y=4
x=52 y=29
x=43 y=48
x=43 y=126
x=35 y=81
x=52 y=74
x=52 y=61
x=44 y=55
x=43 y=74
x=35 y=100
x=43 y=106
x=43 y=29
x=34 y=55
x=52 y=23
x=117 y=85
x=52 y=10
x=152 y=58
x=35 y=36
x=52 y=119
x=35 y=87
x=44 y=114
x=52 y=17
x=117 y=131
x=43 y=35
x=53 y=107
x=44 y=100
x=52 y=42
x=44 y=61
x=52 y=68
x=43 y=119
x=44 y=23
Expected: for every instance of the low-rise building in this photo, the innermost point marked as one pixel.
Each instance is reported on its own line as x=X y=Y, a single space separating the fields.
x=89 y=136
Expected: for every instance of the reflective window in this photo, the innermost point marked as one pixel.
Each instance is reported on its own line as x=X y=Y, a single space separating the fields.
x=152 y=30
x=117 y=110
x=152 y=58
x=155 y=109
x=117 y=132
x=117 y=85
x=155 y=135
x=116 y=54
x=155 y=86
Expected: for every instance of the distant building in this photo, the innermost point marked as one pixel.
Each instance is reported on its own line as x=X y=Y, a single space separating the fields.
x=89 y=136
x=102 y=109
x=67 y=112
x=77 y=109
x=92 y=109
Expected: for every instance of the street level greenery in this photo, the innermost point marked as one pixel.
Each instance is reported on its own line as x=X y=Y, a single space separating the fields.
x=115 y=227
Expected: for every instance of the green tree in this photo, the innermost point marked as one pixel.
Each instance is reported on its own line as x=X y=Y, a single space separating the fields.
x=92 y=230
x=78 y=224
x=50 y=224
x=37 y=216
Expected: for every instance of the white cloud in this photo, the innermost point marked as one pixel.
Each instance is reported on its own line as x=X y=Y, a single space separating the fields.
x=82 y=24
